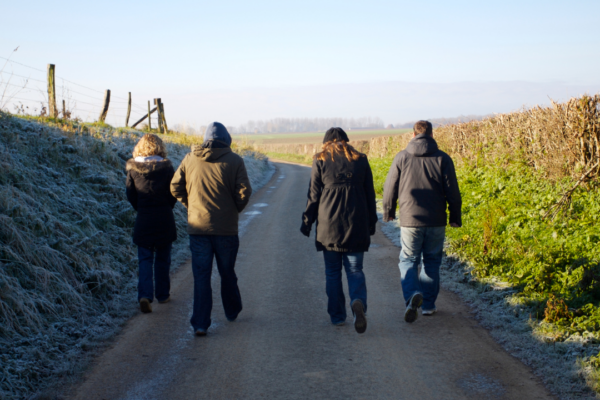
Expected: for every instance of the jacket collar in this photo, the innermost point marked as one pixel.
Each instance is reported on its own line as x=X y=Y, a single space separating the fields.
x=422 y=145
x=148 y=166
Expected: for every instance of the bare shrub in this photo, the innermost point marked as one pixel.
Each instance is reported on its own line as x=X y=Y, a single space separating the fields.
x=560 y=140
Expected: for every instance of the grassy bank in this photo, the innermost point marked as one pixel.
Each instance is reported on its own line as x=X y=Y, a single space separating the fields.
x=68 y=268
x=296 y=158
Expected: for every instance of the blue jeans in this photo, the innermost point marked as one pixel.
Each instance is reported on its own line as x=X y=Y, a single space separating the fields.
x=429 y=242
x=160 y=259
x=204 y=248
x=357 y=286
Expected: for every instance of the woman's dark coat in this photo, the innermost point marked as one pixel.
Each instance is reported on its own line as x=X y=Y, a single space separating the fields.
x=341 y=199
x=148 y=191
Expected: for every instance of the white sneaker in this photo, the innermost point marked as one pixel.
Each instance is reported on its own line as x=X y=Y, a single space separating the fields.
x=429 y=312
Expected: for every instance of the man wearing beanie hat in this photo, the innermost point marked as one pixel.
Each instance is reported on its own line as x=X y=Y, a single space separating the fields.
x=213 y=185
x=423 y=179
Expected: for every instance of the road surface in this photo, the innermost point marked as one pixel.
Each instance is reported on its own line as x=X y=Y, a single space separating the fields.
x=282 y=346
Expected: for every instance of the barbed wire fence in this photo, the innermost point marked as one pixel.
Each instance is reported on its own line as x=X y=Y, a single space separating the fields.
x=28 y=90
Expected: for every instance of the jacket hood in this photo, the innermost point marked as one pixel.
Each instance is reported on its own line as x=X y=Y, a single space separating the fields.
x=335 y=134
x=217 y=132
x=422 y=145
x=148 y=166
x=209 y=154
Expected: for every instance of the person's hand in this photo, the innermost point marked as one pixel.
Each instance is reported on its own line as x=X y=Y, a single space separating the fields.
x=305 y=229
x=371 y=230
x=454 y=225
x=386 y=218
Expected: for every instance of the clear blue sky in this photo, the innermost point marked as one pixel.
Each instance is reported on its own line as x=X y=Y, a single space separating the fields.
x=240 y=60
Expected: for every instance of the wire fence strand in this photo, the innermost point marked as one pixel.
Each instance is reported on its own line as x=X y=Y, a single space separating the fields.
x=117 y=103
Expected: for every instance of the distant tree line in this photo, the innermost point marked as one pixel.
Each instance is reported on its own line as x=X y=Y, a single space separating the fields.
x=291 y=125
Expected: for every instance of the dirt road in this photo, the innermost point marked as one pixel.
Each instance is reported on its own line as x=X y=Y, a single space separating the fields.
x=283 y=346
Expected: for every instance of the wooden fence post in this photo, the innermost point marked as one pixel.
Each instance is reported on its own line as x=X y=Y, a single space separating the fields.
x=51 y=92
x=105 y=106
x=159 y=114
x=164 y=120
x=64 y=110
x=128 y=110
x=149 y=120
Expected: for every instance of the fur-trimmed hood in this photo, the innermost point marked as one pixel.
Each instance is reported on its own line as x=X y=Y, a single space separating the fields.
x=148 y=166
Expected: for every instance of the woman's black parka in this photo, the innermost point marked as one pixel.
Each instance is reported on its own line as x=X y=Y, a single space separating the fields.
x=149 y=192
x=341 y=200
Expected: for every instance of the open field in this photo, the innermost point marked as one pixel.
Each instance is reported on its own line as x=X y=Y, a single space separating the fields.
x=312 y=137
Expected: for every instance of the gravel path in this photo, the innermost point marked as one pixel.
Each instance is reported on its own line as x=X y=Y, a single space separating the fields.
x=283 y=347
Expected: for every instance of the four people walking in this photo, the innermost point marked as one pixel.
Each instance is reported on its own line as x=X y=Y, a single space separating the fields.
x=212 y=183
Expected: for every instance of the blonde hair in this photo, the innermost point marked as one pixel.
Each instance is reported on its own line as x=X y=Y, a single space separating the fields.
x=334 y=148
x=150 y=145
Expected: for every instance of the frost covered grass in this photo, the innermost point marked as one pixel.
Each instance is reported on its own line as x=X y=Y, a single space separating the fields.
x=68 y=268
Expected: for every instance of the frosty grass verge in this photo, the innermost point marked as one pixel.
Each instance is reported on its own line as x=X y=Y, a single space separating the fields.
x=68 y=268
x=493 y=305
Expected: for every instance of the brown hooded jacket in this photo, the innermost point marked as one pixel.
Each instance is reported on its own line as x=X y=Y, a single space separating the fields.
x=213 y=185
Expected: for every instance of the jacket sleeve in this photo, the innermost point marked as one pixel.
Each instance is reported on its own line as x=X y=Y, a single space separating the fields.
x=451 y=191
x=172 y=199
x=243 y=190
x=390 y=189
x=178 y=184
x=315 y=188
x=131 y=191
x=370 y=195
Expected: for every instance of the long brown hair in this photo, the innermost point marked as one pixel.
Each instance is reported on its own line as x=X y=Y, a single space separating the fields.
x=334 y=148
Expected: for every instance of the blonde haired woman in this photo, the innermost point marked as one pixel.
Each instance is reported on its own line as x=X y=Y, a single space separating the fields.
x=341 y=200
x=149 y=176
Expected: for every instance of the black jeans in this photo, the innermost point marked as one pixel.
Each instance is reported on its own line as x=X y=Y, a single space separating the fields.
x=204 y=249
x=160 y=259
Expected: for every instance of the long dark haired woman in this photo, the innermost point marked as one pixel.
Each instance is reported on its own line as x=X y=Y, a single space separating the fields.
x=149 y=176
x=341 y=200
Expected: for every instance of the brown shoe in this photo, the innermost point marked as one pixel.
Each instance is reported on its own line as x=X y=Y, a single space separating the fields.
x=168 y=299
x=145 y=305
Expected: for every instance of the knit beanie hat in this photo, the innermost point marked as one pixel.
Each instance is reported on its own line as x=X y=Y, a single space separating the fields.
x=337 y=134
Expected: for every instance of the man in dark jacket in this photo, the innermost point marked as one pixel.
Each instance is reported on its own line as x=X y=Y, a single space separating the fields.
x=213 y=185
x=423 y=178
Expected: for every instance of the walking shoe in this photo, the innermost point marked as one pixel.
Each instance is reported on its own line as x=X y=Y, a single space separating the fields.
x=145 y=305
x=200 y=332
x=412 y=311
x=429 y=312
x=360 y=319
x=168 y=299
